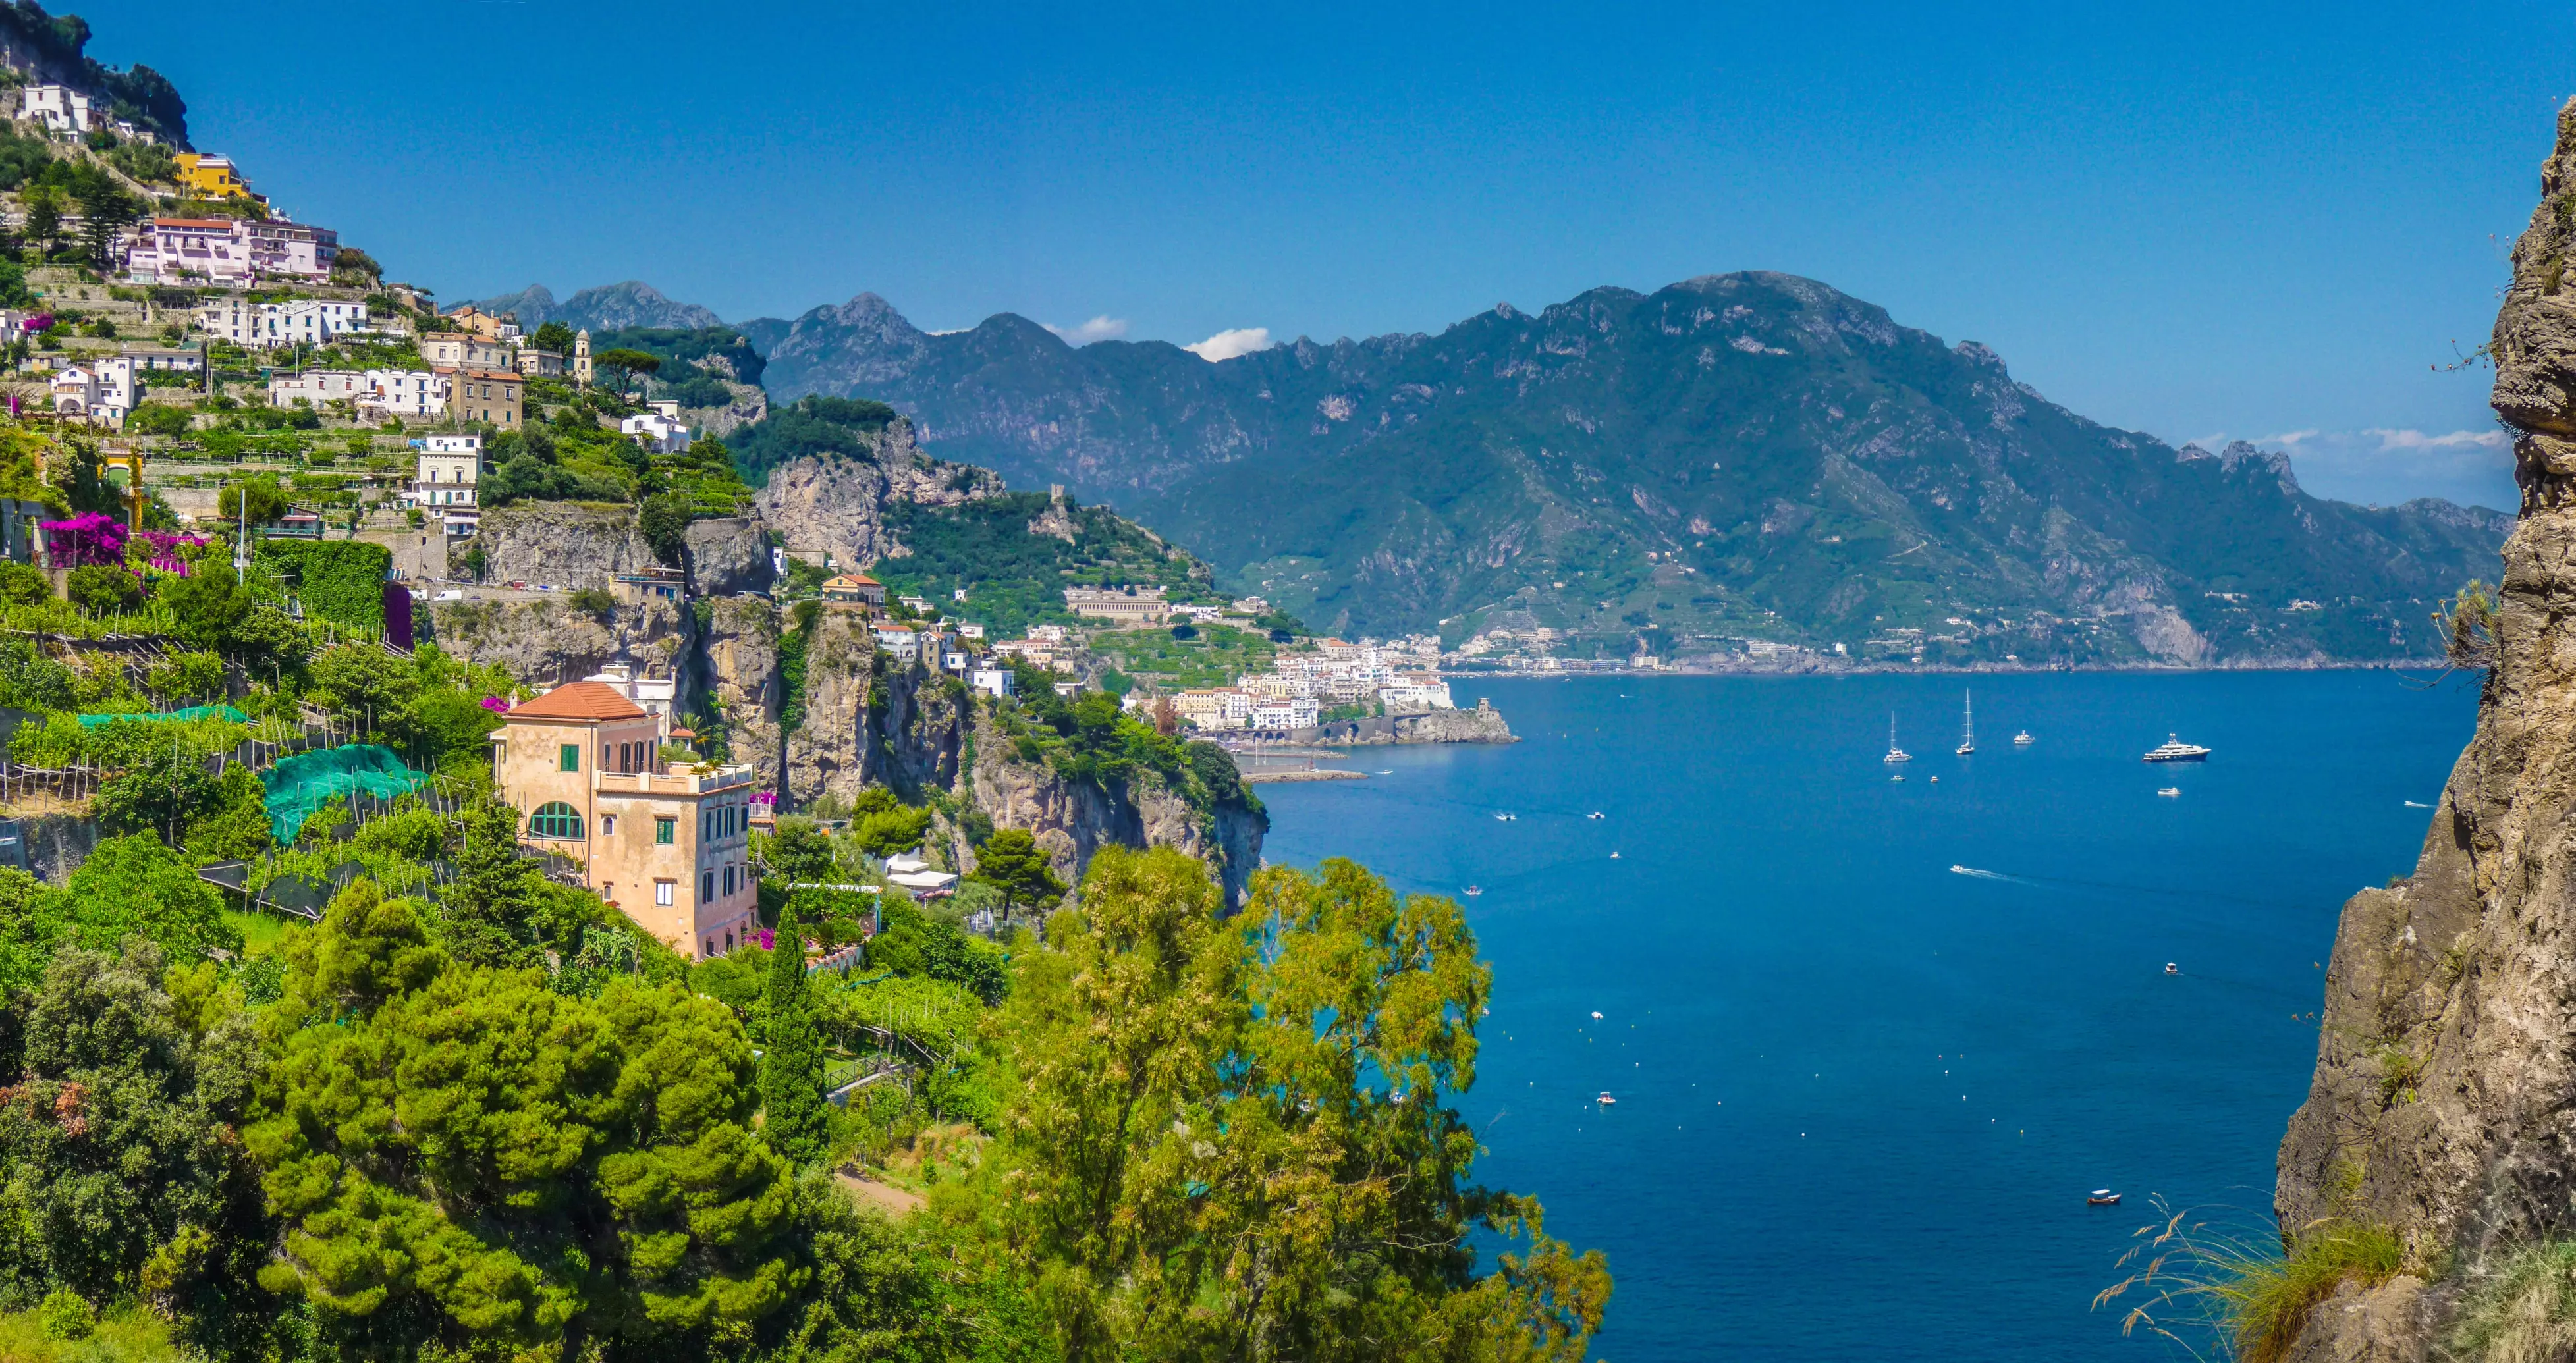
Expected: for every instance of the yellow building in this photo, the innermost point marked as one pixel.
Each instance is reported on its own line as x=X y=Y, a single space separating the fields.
x=211 y=177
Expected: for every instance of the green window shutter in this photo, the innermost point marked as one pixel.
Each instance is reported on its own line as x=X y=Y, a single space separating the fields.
x=666 y=831
x=571 y=760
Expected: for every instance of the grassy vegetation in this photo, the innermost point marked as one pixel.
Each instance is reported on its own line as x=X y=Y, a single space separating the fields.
x=2247 y=1289
x=122 y=1334
x=1216 y=657
x=2523 y=1307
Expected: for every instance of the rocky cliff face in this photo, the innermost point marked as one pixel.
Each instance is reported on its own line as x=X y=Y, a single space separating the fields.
x=2441 y=1106
x=836 y=505
x=563 y=543
x=860 y=717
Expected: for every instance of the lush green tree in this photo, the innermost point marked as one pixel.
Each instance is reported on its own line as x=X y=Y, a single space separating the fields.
x=664 y=524
x=210 y=606
x=476 y=1157
x=454 y=726
x=132 y=886
x=625 y=362
x=1235 y=1143
x=554 y=337
x=158 y=796
x=44 y=205
x=99 y=589
x=119 y=1172
x=492 y=910
x=888 y=832
x=31 y=681
x=914 y=1289
x=800 y=853
x=911 y=942
x=1012 y=862
x=791 y=1065
x=267 y=500
x=367 y=683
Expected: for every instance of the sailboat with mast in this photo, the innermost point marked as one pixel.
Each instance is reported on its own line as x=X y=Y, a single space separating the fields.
x=1895 y=754
x=1967 y=723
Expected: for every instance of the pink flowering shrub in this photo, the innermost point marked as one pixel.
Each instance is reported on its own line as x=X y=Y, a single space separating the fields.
x=163 y=548
x=496 y=705
x=87 y=540
x=768 y=939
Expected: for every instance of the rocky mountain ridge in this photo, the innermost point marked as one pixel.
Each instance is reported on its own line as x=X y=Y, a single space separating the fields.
x=609 y=307
x=1742 y=456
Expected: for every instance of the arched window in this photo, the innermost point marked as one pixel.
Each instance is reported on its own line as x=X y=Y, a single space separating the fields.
x=555 y=819
x=608 y=825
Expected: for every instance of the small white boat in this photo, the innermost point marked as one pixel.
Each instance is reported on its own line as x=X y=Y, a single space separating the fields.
x=1606 y=1100
x=2023 y=739
x=1596 y=1015
x=1897 y=777
x=2101 y=1197
x=1475 y=890
x=1502 y=818
x=2170 y=792
x=1390 y=771
x=2172 y=969
x=1593 y=815
x=1967 y=723
x=1894 y=753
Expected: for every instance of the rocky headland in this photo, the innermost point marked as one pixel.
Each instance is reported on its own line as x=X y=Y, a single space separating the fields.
x=2443 y=1109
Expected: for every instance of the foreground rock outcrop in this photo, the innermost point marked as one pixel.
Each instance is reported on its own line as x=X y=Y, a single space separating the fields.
x=2444 y=1102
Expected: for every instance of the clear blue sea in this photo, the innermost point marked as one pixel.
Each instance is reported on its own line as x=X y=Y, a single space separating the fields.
x=1861 y=1096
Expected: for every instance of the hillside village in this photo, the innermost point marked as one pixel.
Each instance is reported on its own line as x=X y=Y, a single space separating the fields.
x=726 y=780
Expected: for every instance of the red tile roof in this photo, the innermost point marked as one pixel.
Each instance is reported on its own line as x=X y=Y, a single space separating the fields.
x=579 y=700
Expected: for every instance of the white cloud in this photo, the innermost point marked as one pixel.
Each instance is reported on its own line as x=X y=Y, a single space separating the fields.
x=2417 y=440
x=1101 y=328
x=2290 y=438
x=1225 y=345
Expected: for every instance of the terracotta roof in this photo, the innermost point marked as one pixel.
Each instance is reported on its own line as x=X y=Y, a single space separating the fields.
x=579 y=700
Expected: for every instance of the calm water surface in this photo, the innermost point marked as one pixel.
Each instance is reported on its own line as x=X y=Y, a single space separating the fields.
x=1861 y=1095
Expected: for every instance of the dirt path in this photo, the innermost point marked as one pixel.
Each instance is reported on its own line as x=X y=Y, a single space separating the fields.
x=868 y=1192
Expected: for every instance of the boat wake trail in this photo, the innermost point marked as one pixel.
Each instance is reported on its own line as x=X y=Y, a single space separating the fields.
x=2417 y=804
x=2059 y=882
x=1988 y=875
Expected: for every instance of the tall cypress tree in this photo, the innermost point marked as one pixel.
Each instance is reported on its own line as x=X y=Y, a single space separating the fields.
x=791 y=1068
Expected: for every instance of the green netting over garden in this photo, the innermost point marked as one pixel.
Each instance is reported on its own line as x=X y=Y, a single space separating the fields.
x=300 y=785
x=171 y=716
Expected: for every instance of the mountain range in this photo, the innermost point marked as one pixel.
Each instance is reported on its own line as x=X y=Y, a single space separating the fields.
x=1724 y=464
x=610 y=307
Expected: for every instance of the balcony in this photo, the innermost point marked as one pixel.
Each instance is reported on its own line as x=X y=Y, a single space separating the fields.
x=675 y=781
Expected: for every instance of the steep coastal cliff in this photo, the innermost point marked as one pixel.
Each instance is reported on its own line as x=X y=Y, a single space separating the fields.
x=2441 y=1107
x=808 y=699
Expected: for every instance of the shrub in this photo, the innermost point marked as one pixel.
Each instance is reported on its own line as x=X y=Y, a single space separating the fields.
x=23 y=585
x=592 y=601
x=100 y=590
x=66 y=1314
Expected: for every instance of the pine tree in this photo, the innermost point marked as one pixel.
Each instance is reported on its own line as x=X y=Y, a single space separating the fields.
x=489 y=904
x=791 y=1068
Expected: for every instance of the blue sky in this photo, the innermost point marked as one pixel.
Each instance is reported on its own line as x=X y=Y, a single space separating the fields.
x=2203 y=221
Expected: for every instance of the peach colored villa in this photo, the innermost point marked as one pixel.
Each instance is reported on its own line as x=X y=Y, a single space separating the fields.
x=669 y=845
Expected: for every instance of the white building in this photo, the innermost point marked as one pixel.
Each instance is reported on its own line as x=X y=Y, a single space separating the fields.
x=992 y=680
x=902 y=643
x=658 y=432
x=1413 y=695
x=102 y=391
x=266 y=326
x=228 y=251
x=449 y=469
x=60 y=108
x=1286 y=712
x=313 y=387
x=405 y=392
